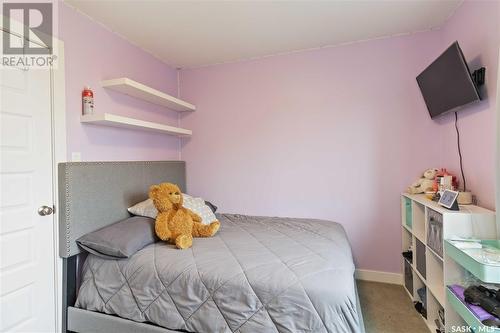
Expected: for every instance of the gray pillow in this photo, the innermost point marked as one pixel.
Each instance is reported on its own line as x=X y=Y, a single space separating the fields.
x=211 y=206
x=121 y=239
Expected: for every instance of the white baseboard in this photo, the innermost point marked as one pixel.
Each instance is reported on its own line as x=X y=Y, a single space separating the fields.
x=377 y=276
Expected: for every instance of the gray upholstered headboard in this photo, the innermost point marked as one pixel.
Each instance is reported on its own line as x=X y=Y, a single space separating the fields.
x=93 y=195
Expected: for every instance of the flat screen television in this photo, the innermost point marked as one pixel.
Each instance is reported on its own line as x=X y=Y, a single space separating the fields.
x=447 y=84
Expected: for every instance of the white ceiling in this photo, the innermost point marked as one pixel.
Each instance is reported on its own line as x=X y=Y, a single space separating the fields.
x=198 y=33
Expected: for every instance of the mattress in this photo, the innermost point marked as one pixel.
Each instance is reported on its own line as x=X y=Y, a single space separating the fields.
x=258 y=274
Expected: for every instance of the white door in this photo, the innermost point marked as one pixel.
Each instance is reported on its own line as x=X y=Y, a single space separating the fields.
x=27 y=258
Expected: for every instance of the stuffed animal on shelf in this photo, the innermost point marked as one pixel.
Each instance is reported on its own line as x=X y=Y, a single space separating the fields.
x=174 y=223
x=443 y=173
x=425 y=183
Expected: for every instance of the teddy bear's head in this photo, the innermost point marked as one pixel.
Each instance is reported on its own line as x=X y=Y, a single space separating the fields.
x=430 y=174
x=166 y=196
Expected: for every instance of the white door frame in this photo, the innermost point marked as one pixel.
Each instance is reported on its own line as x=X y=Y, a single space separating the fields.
x=59 y=154
x=497 y=149
x=59 y=151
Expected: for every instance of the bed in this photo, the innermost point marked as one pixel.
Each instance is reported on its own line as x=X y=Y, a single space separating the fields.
x=258 y=274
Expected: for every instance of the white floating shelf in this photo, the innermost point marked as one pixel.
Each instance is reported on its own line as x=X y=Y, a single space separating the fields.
x=108 y=119
x=148 y=94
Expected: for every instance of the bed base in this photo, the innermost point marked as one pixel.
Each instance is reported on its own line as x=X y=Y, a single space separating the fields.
x=88 y=321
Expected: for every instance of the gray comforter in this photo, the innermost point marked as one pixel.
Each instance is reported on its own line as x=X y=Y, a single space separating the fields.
x=258 y=274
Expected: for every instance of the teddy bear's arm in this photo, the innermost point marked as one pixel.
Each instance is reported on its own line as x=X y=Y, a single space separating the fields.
x=194 y=216
x=161 y=228
x=204 y=230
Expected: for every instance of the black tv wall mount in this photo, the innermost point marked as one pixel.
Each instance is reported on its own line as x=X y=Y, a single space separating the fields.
x=478 y=76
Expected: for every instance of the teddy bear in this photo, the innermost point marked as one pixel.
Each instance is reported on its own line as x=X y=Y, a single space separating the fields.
x=425 y=183
x=175 y=223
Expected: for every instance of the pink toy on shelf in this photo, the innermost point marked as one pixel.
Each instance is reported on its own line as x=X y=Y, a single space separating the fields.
x=442 y=173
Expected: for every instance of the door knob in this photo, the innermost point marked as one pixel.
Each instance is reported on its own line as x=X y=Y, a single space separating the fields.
x=45 y=210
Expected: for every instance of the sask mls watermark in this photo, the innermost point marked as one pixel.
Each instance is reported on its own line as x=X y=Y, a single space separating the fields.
x=28 y=30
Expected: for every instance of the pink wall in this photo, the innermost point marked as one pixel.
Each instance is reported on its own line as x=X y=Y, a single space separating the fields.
x=300 y=134
x=475 y=25
x=93 y=53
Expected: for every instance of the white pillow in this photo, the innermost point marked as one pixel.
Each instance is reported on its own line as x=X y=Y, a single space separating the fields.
x=197 y=205
x=144 y=208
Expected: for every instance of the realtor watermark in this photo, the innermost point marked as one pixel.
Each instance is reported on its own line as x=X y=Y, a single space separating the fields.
x=28 y=34
x=466 y=329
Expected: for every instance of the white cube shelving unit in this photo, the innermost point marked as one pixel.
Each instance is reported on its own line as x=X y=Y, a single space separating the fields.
x=428 y=267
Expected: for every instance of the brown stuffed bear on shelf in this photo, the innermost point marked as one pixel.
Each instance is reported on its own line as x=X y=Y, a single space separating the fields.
x=174 y=223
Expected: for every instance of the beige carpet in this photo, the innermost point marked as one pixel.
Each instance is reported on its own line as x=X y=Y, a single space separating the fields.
x=387 y=308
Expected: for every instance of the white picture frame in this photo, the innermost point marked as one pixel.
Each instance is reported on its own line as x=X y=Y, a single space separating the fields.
x=448 y=198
